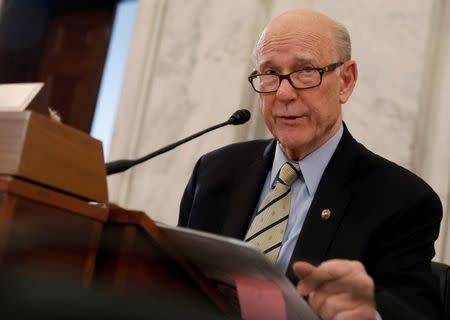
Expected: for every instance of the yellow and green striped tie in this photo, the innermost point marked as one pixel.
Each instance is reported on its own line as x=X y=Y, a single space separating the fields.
x=267 y=228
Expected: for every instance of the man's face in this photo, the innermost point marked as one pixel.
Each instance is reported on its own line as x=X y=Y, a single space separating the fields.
x=300 y=119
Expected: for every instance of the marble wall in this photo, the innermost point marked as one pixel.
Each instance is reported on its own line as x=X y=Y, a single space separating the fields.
x=187 y=70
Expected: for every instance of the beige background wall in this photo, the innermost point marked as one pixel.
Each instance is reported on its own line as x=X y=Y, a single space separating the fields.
x=187 y=70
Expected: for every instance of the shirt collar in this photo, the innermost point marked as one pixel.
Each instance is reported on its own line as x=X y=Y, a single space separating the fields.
x=313 y=165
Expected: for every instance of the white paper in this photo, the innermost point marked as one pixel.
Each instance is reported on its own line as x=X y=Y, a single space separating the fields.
x=17 y=96
x=224 y=256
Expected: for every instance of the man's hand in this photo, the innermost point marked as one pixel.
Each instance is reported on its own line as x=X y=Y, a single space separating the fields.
x=337 y=289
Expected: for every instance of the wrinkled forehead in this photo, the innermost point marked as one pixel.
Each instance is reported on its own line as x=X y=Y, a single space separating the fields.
x=303 y=39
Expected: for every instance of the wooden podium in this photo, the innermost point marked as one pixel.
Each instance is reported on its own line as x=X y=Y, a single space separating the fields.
x=57 y=230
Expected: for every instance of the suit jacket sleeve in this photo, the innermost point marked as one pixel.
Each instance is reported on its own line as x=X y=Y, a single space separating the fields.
x=402 y=267
x=188 y=198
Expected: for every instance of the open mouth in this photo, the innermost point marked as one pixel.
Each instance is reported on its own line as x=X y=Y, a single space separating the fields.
x=290 y=120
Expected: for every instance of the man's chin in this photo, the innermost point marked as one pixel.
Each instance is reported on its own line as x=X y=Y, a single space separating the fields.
x=297 y=147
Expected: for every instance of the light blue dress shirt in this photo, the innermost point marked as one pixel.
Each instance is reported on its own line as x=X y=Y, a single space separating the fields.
x=302 y=191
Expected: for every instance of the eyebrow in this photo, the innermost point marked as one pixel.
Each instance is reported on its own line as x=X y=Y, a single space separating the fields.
x=300 y=59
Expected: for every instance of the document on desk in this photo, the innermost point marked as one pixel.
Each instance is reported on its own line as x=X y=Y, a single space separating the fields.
x=261 y=290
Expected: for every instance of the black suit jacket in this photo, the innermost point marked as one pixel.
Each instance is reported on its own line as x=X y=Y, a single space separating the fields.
x=381 y=214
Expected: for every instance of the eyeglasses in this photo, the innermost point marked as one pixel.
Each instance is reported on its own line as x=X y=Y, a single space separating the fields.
x=300 y=79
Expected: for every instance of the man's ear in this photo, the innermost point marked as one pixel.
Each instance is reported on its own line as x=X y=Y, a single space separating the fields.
x=348 y=76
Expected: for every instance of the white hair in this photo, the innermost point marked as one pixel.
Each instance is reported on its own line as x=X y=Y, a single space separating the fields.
x=343 y=42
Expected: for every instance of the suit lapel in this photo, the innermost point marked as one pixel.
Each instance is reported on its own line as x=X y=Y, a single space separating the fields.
x=246 y=189
x=333 y=194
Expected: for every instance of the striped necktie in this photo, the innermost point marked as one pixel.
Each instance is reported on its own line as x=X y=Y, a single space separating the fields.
x=267 y=228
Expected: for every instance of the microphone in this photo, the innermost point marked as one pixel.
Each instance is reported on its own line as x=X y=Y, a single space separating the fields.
x=238 y=117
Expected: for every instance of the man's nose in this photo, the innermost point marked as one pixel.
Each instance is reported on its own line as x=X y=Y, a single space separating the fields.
x=286 y=92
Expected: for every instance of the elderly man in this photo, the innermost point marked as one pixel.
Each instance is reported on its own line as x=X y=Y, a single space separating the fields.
x=363 y=227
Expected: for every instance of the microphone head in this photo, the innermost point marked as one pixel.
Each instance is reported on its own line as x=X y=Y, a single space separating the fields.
x=239 y=117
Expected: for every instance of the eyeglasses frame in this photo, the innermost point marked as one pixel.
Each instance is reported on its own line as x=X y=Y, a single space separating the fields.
x=328 y=68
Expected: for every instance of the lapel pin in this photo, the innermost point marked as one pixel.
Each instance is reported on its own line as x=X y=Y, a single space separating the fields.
x=326 y=214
